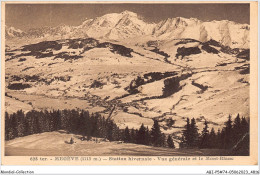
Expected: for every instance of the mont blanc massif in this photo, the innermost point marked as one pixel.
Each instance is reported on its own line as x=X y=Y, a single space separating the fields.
x=132 y=71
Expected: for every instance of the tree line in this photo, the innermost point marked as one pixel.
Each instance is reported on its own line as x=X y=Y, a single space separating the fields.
x=81 y=122
x=21 y=124
x=230 y=135
x=144 y=136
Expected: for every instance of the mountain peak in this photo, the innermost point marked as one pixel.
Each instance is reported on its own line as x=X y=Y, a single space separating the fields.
x=181 y=18
x=11 y=32
x=186 y=20
x=13 y=29
x=126 y=12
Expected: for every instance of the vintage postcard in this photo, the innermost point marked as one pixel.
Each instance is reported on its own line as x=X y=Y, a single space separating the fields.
x=129 y=83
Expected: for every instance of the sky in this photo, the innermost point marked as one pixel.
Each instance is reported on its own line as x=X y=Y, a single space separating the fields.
x=26 y=16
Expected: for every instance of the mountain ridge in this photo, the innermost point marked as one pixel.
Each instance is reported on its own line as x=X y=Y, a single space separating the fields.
x=124 y=25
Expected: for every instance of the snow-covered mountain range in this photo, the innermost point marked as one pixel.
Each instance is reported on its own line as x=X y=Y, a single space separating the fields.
x=120 y=26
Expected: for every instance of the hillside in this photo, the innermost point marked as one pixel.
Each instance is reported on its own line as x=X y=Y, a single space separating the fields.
x=54 y=144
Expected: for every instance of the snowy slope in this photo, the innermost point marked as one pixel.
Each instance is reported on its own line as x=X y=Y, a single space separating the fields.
x=116 y=26
x=226 y=32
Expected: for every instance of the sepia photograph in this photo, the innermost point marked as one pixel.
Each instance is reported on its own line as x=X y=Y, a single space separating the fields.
x=129 y=79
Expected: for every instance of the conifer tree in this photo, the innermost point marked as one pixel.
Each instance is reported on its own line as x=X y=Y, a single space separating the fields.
x=7 y=125
x=95 y=126
x=20 y=123
x=163 y=139
x=57 y=120
x=36 y=123
x=133 y=135
x=228 y=133
x=110 y=131
x=182 y=142
x=13 y=126
x=244 y=133
x=147 y=136
x=204 y=141
x=81 y=127
x=126 y=135
x=86 y=127
x=236 y=134
x=170 y=142
x=219 y=140
x=103 y=127
x=141 y=135
x=26 y=126
x=185 y=141
x=212 y=139
x=156 y=135
x=222 y=140
x=244 y=126
x=50 y=120
x=194 y=135
x=117 y=133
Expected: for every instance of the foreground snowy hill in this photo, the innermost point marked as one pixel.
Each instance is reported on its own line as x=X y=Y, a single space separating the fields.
x=54 y=143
